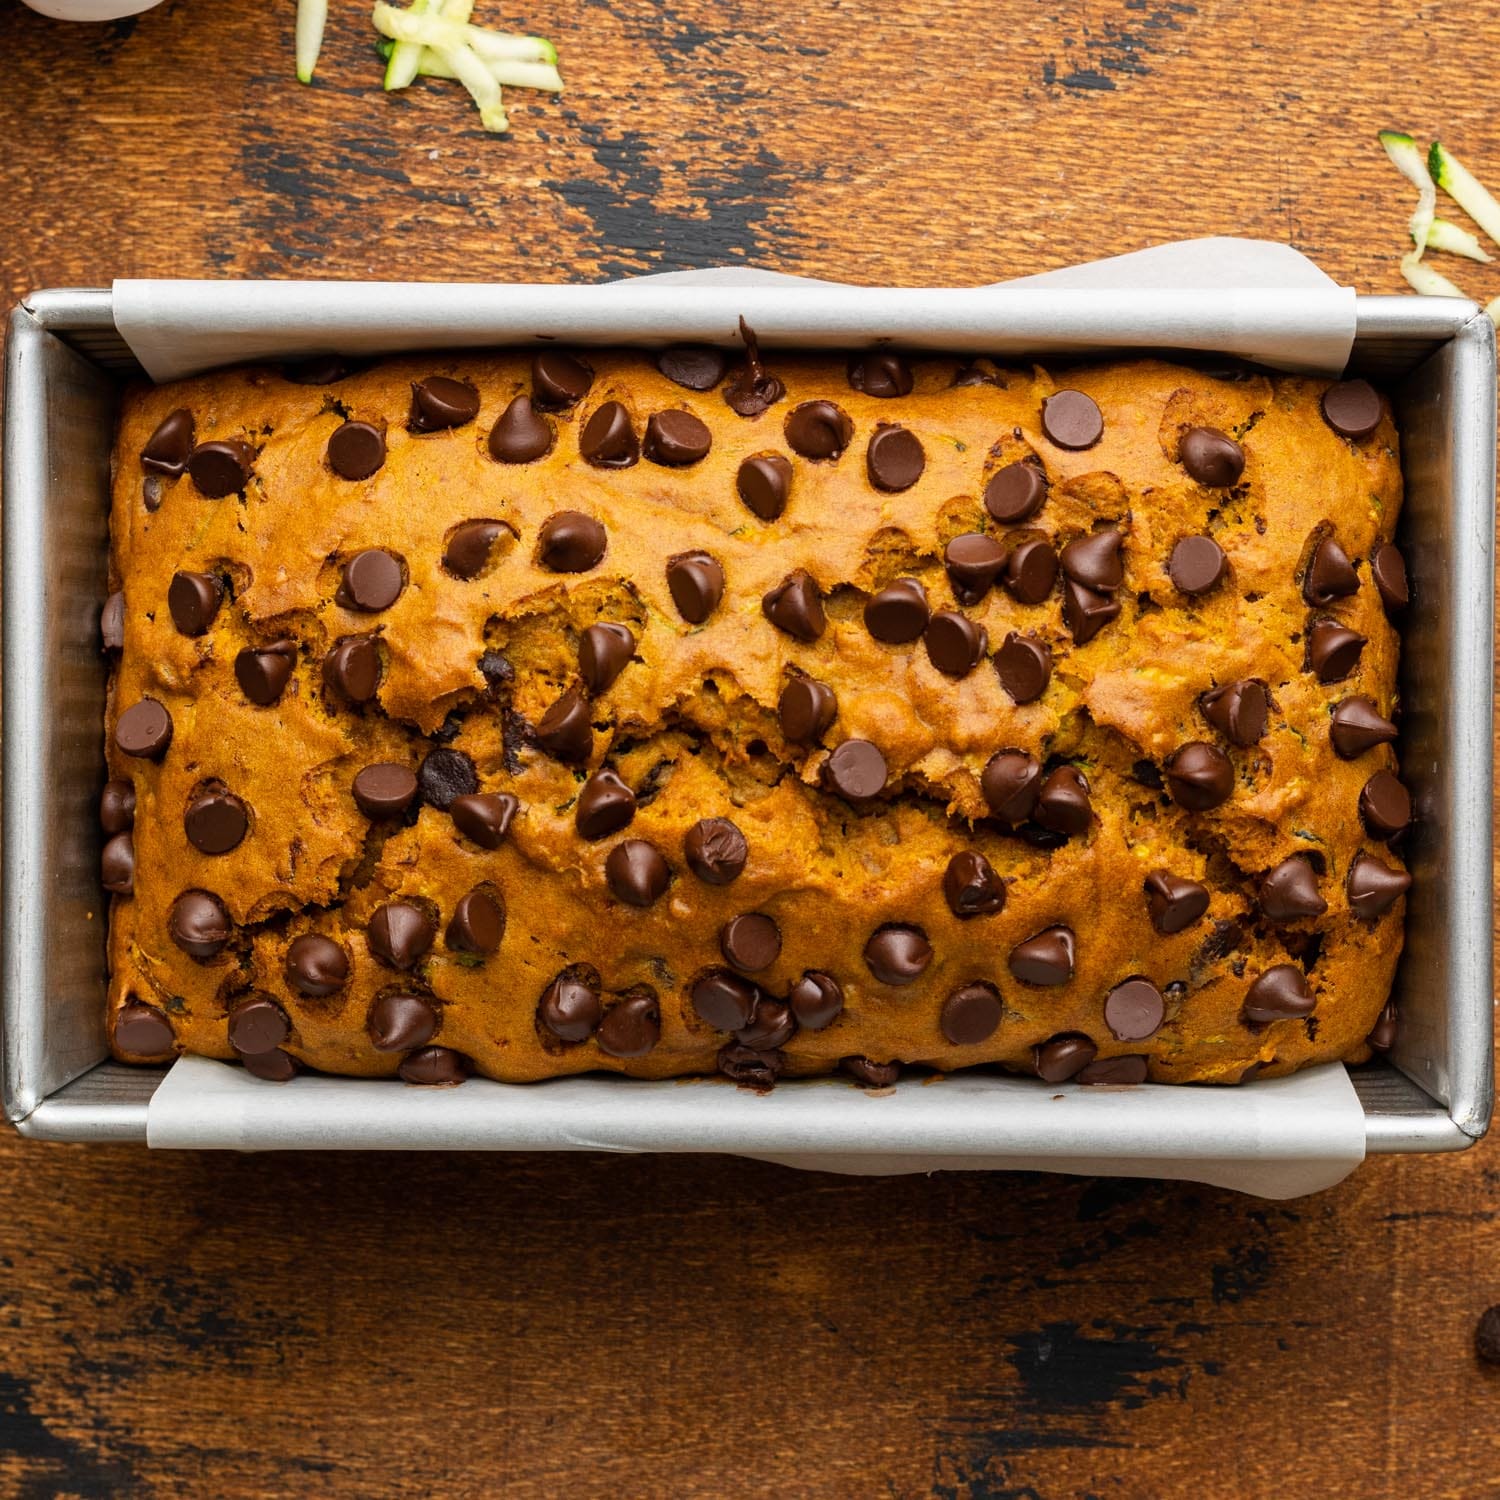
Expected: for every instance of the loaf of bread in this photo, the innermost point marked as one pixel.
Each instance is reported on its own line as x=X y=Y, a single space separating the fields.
x=689 y=713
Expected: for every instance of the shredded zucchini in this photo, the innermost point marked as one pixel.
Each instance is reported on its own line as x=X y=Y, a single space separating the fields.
x=312 y=18
x=1424 y=279
x=1443 y=234
x=1465 y=189
x=1408 y=161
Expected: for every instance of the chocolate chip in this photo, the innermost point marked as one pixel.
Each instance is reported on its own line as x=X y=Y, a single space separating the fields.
x=498 y=674
x=752 y=390
x=1333 y=651
x=1015 y=493
x=1384 y=806
x=434 y=1067
x=880 y=374
x=258 y=1025
x=795 y=605
x=520 y=436
x=1382 y=1035
x=1373 y=887
x=1010 y=783
x=605 y=806
x=750 y=941
x=1044 y=959
x=1072 y=419
x=973 y=562
x=971 y=1015
x=570 y=542
x=1024 y=667
x=477 y=924
x=632 y=1027
x=1330 y=575
x=871 y=1075
x=152 y=493
x=1279 y=994
x=1237 y=710
x=356 y=450
x=1290 y=892
x=221 y=468
x=1359 y=726
x=1352 y=408
x=677 y=439
x=1031 y=570
x=818 y=430
x=1094 y=561
x=1062 y=1057
x=771 y=1027
x=1086 y=612
x=636 y=872
x=570 y=1007
x=746 y=1065
x=1174 y=901
x=898 y=614
x=216 y=822
x=1197 y=565
x=372 y=581
x=724 y=1000
x=1062 y=804
x=399 y=933
x=1134 y=1010
x=117 y=865
x=1114 y=1070
x=608 y=440
x=316 y=965
x=559 y=380
x=444 y=775
x=856 y=771
x=352 y=668
x=897 y=954
x=143 y=1030
x=1199 y=777
x=112 y=622
x=193 y=600
x=604 y=651
x=1388 y=569
x=955 y=644
x=697 y=584
x=894 y=458
x=566 y=730
x=199 y=924
x=764 y=481
x=468 y=550
x=817 y=1000
x=971 y=887
x=715 y=851
x=384 y=790
x=168 y=447
x=1212 y=457
x=399 y=1020
x=321 y=369
x=144 y=730
x=484 y=818
x=438 y=403
x=806 y=710
x=117 y=806
x=698 y=367
x=264 y=671
x=273 y=1067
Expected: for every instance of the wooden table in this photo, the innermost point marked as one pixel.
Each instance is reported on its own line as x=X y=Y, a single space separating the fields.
x=540 y=1326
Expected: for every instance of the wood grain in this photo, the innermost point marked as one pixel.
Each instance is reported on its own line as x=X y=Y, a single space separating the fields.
x=221 y=1326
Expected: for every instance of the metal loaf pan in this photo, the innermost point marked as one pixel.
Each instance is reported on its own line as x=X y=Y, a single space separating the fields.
x=65 y=363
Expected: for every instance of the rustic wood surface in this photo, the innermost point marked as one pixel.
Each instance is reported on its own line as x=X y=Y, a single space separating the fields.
x=207 y=1325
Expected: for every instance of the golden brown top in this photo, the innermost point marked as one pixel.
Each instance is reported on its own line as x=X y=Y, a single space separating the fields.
x=1156 y=584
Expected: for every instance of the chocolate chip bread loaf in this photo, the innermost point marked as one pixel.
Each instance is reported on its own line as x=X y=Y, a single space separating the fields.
x=677 y=714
